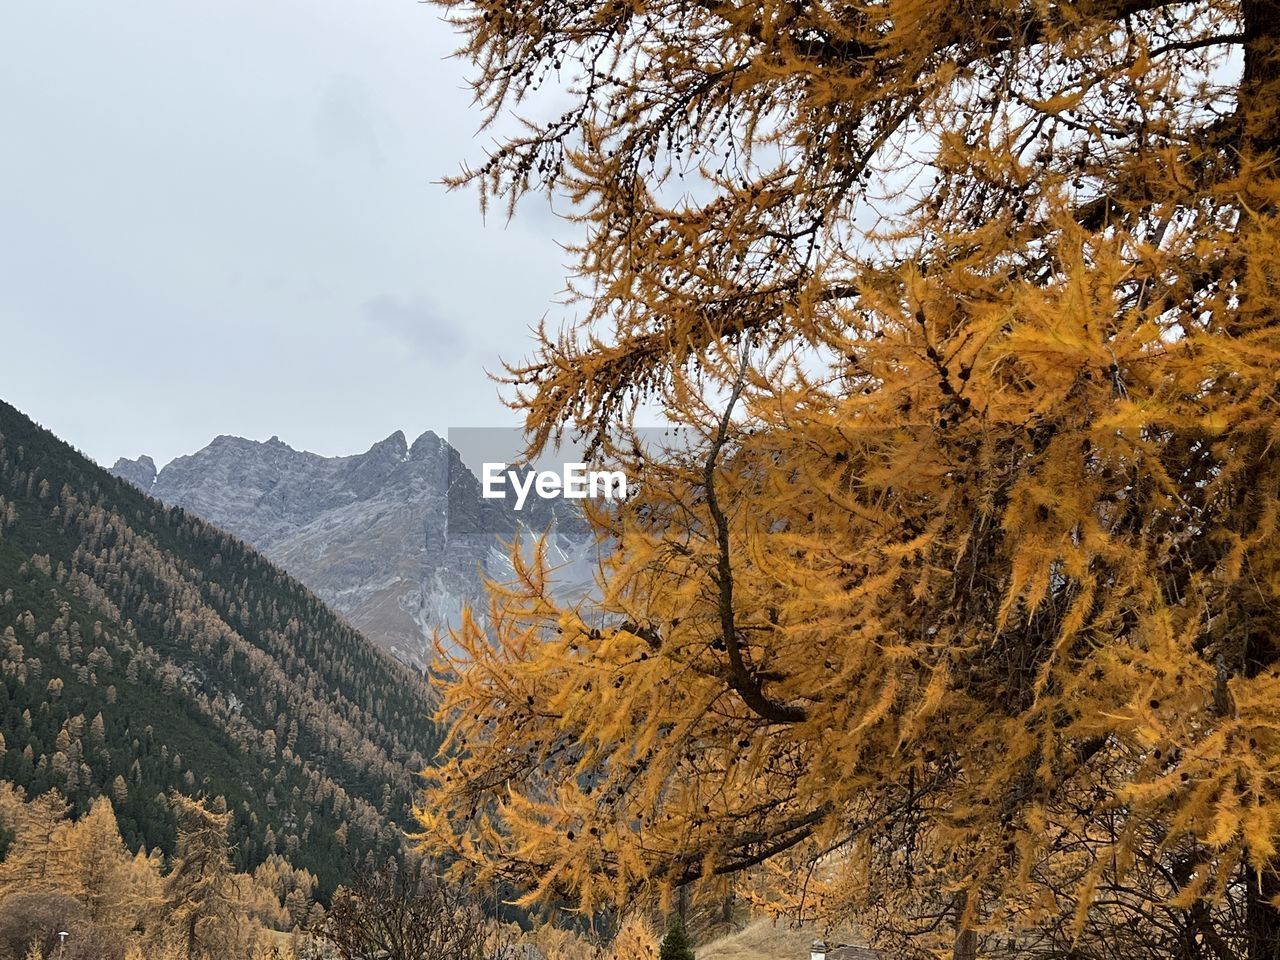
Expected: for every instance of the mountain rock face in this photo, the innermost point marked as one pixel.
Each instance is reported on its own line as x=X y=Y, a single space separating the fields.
x=368 y=533
x=141 y=472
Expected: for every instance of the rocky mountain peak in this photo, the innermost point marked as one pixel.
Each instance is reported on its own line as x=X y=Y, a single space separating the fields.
x=141 y=472
x=369 y=533
x=395 y=447
x=426 y=446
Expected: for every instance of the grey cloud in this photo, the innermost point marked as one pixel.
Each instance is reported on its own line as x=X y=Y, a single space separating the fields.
x=200 y=200
x=347 y=124
x=419 y=326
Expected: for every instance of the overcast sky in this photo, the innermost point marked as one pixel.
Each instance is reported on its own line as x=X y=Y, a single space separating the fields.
x=223 y=216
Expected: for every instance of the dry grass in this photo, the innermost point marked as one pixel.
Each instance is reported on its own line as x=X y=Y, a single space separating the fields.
x=764 y=940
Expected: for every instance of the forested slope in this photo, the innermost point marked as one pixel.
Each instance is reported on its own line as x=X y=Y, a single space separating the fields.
x=144 y=651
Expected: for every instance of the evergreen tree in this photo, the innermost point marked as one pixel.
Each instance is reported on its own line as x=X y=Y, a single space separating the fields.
x=675 y=945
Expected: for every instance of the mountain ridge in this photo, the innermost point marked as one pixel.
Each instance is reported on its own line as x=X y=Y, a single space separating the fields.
x=370 y=532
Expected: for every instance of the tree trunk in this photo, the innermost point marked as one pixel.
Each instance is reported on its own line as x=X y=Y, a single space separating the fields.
x=1258 y=105
x=1259 y=110
x=966 y=947
x=1262 y=919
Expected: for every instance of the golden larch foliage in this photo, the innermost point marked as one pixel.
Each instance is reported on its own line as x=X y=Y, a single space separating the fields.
x=961 y=596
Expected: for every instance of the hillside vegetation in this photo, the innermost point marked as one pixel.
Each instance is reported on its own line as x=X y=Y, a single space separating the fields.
x=144 y=652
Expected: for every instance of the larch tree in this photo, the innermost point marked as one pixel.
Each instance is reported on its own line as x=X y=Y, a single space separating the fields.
x=959 y=602
x=43 y=858
x=200 y=892
x=105 y=869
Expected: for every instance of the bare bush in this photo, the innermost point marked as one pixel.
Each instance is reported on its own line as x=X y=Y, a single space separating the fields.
x=403 y=912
